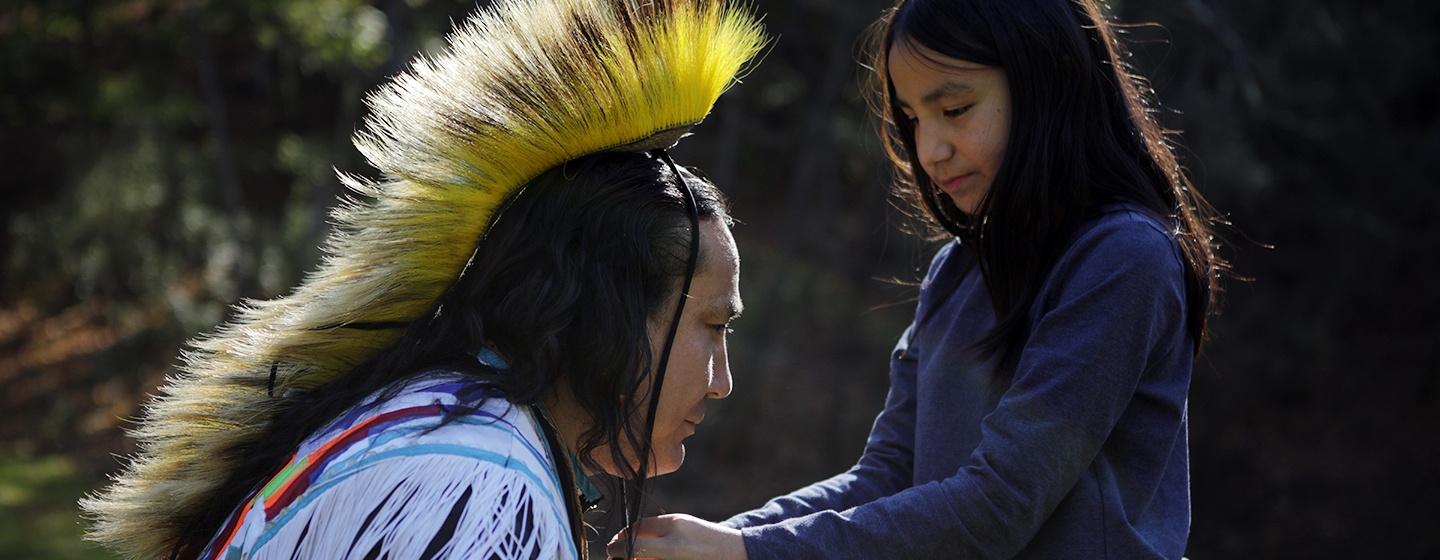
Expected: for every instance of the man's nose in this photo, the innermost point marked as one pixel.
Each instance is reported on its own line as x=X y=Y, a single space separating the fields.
x=721 y=384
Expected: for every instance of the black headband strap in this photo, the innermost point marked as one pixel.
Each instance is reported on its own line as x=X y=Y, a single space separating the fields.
x=689 y=198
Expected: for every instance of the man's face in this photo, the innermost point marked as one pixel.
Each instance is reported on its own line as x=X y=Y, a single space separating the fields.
x=699 y=368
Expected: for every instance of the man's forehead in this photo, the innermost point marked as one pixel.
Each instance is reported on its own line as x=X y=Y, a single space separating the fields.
x=717 y=287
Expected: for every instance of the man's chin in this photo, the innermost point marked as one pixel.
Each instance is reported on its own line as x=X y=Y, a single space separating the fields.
x=668 y=464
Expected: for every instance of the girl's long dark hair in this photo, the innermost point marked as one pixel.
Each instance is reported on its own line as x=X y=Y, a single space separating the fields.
x=565 y=284
x=1081 y=135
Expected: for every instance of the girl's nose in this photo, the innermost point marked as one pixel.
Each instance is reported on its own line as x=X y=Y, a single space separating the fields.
x=933 y=147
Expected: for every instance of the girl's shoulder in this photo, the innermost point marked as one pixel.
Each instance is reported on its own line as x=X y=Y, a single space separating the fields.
x=1131 y=221
x=1128 y=233
x=1123 y=252
x=1115 y=238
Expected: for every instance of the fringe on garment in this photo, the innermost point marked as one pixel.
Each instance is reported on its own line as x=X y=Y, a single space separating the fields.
x=420 y=506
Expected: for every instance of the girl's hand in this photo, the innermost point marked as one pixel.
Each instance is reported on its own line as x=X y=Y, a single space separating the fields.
x=678 y=537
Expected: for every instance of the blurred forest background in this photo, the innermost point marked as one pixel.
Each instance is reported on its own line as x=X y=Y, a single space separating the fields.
x=164 y=158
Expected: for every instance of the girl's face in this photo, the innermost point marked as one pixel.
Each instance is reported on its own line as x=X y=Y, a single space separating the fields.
x=960 y=112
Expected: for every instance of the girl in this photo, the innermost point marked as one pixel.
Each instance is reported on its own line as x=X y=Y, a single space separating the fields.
x=533 y=294
x=1037 y=406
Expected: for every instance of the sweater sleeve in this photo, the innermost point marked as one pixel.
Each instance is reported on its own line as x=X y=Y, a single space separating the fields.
x=887 y=464
x=883 y=469
x=1112 y=306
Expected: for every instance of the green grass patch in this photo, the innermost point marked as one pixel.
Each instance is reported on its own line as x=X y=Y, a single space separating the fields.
x=38 y=515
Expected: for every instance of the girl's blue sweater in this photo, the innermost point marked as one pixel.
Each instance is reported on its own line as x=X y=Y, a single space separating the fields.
x=1080 y=453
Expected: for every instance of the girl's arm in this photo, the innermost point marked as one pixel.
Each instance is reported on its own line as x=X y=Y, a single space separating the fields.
x=884 y=468
x=887 y=465
x=1117 y=309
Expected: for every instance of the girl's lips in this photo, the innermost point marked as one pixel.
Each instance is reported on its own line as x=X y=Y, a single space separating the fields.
x=955 y=183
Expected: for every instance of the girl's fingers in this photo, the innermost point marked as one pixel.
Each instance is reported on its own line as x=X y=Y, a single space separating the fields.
x=646 y=548
x=649 y=530
x=676 y=537
x=648 y=527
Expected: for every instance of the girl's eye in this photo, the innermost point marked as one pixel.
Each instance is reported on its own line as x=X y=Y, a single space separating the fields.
x=952 y=113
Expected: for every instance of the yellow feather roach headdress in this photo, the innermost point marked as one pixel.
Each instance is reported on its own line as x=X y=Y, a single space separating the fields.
x=524 y=86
